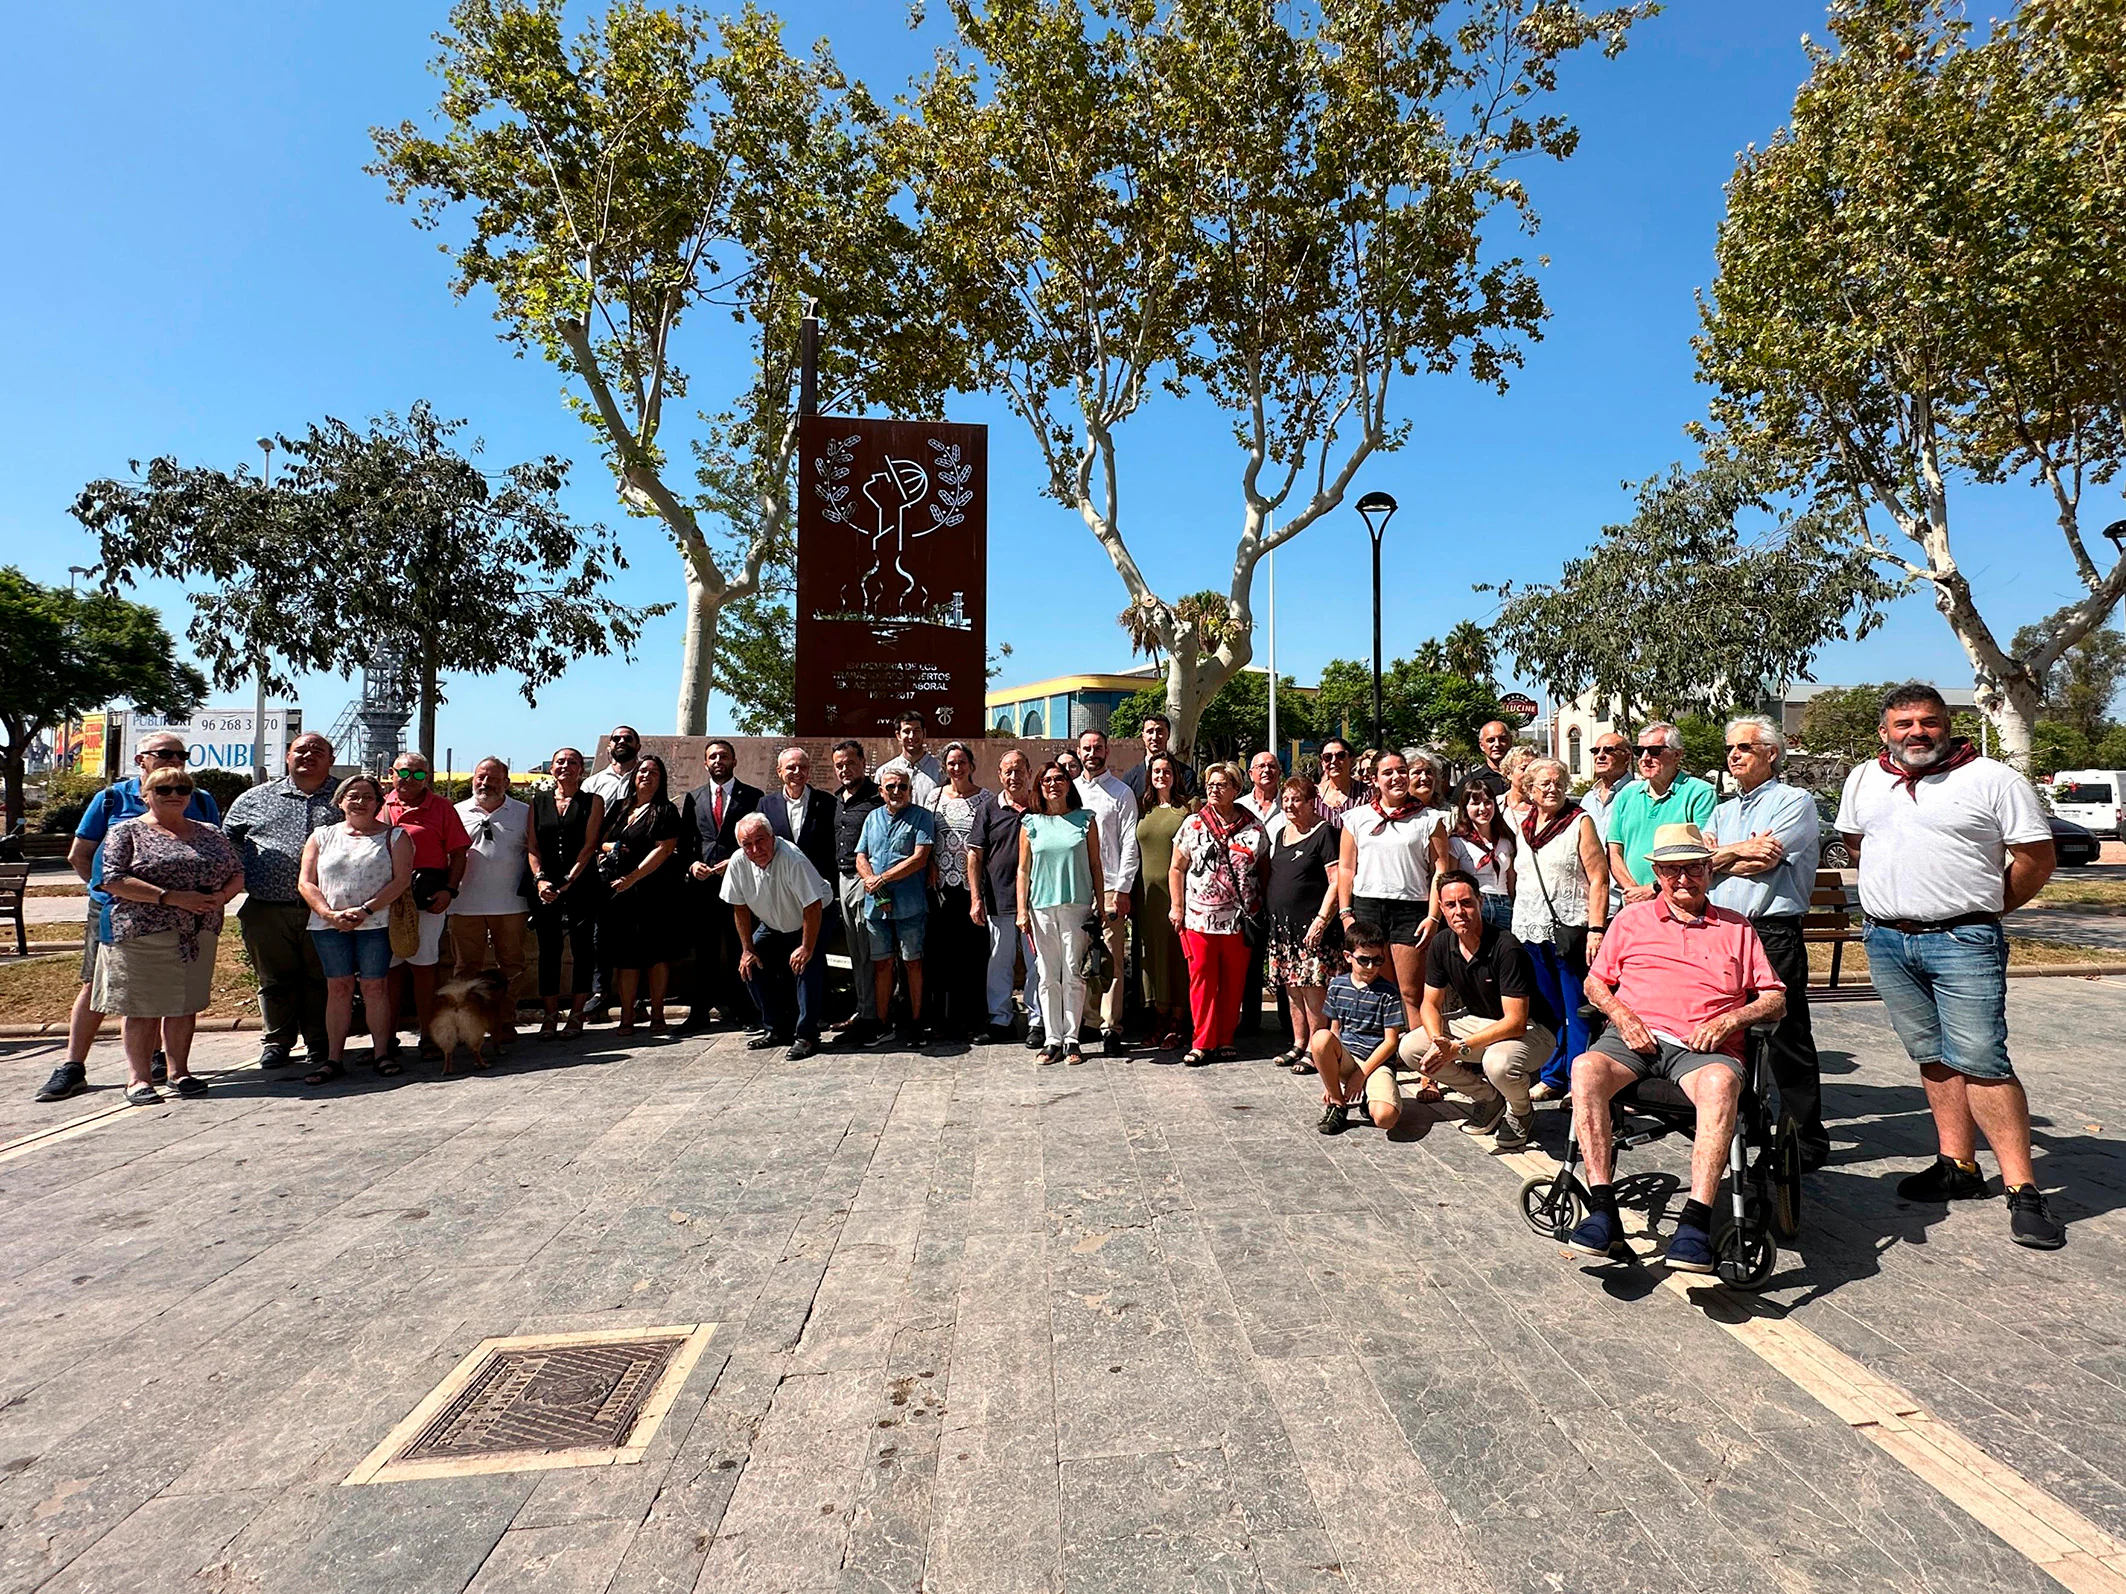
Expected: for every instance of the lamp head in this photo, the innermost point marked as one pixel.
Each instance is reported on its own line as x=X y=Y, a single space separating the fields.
x=1376 y=509
x=2116 y=531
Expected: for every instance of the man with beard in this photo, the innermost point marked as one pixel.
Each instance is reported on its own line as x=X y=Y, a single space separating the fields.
x=1946 y=842
x=1158 y=731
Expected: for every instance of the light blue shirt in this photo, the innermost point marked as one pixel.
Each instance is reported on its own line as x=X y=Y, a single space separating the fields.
x=1596 y=807
x=1790 y=815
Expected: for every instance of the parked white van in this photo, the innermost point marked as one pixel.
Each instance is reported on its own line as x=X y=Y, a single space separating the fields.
x=2092 y=798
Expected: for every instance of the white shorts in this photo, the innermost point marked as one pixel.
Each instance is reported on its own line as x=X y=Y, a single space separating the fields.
x=431 y=947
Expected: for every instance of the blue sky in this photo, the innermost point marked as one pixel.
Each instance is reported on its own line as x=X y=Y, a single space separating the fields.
x=200 y=260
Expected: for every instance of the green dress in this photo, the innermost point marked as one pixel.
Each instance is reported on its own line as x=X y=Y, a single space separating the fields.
x=1158 y=948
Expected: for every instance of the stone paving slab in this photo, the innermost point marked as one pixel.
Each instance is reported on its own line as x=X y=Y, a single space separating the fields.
x=984 y=1326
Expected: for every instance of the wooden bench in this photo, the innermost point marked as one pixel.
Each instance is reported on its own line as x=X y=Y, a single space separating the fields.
x=14 y=887
x=1833 y=919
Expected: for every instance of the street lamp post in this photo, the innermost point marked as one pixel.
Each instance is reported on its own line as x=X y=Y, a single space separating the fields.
x=258 y=719
x=1376 y=510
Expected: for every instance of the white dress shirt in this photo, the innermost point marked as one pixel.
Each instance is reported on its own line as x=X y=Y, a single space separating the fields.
x=1114 y=810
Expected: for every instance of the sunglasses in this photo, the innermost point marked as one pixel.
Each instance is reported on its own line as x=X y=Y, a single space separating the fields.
x=411 y=774
x=1652 y=752
x=171 y=789
x=1611 y=752
x=162 y=754
x=894 y=785
x=1747 y=747
x=1336 y=758
x=1367 y=963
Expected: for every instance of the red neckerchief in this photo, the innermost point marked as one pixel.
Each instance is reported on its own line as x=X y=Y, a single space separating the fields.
x=1489 y=844
x=1960 y=753
x=1409 y=810
x=1553 y=827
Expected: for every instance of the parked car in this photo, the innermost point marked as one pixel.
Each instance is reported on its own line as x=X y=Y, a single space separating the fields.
x=1834 y=853
x=2075 y=846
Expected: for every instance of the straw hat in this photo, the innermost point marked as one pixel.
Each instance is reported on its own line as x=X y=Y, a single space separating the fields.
x=1683 y=843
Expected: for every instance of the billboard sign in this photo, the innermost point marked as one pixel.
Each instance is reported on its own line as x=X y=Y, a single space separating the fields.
x=220 y=738
x=892 y=575
x=1519 y=704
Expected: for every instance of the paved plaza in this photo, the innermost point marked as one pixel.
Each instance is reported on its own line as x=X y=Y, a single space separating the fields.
x=983 y=1327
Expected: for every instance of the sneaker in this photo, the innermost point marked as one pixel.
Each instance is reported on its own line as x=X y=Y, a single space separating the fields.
x=1601 y=1235
x=1335 y=1118
x=1944 y=1181
x=142 y=1095
x=800 y=1049
x=1485 y=1116
x=1515 y=1130
x=273 y=1055
x=158 y=1069
x=68 y=1079
x=2030 y=1221
x=1690 y=1250
x=191 y=1086
x=1111 y=1043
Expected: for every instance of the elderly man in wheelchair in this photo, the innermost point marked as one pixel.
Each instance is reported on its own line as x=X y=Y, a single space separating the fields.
x=1679 y=981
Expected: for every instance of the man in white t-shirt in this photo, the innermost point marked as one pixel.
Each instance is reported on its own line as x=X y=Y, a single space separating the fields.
x=1947 y=842
x=777 y=901
x=1114 y=807
x=487 y=914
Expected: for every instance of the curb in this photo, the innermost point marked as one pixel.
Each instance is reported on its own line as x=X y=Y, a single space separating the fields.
x=674 y=1012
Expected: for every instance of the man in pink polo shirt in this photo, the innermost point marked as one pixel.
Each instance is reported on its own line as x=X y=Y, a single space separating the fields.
x=1679 y=980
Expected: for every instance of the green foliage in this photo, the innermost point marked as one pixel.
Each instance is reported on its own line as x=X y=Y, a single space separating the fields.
x=1419 y=706
x=1704 y=741
x=756 y=667
x=656 y=164
x=2079 y=689
x=1676 y=610
x=1237 y=721
x=63 y=653
x=1844 y=721
x=1922 y=281
x=2056 y=745
x=223 y=785
x=1285 y=208
x=373 y=548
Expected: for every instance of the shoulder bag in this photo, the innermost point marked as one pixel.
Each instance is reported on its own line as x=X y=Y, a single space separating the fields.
x=1250 y=923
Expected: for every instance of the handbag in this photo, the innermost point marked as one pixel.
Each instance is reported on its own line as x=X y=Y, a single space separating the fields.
x=405 y=926
x=1569 y=939
x=1096 y=965
x=1250 y=923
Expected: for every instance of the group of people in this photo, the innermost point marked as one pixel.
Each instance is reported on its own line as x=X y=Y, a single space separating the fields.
x=1417 y=938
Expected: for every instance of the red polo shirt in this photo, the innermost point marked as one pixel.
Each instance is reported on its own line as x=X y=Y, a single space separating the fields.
x=1677 y=973
x=435 y=827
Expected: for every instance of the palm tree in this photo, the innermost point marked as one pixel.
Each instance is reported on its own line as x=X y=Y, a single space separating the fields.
x=1205 y=612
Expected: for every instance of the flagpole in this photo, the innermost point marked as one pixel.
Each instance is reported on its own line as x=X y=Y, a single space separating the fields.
x=1269 y=527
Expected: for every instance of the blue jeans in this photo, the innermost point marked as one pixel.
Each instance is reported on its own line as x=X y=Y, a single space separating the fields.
x=771 y=988
x=1947 y=995
x=343 y=953
x=1560 y=984
x=1497 y=909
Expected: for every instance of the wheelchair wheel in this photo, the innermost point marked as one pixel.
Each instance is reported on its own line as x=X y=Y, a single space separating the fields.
x=1552 y=1213
x=1786 y=1179
x=1748 y=1256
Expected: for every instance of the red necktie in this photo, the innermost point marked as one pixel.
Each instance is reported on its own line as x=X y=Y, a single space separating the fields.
x=719 y=808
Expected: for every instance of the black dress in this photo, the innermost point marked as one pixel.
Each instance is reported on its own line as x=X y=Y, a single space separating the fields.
x=572 y=918
x=1298 y=883
x=639 y=927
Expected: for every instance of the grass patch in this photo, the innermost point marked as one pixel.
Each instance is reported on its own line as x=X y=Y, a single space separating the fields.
x=77 y=889
x=2103 y=896
x=41 y=991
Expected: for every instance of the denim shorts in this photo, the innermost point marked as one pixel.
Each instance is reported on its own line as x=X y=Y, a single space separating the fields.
x=898 y=938
x=354 y=952
x=1947 y=995
x=1399 y=921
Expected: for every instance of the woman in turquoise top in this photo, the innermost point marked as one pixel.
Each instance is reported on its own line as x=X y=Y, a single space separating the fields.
x=1059 y=881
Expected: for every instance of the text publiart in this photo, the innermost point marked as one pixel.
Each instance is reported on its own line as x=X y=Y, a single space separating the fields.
x=892 y=575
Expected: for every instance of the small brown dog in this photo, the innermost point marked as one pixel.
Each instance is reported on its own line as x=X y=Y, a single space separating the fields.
x=468 y=1012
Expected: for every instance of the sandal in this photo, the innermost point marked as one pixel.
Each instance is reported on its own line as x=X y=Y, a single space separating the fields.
x=574 y=1030
x=1194 y=1059
x=1074 y=1057
x=390 y=1065
x=1226 y=1054
x=1303 y=1063
x=325 y=1073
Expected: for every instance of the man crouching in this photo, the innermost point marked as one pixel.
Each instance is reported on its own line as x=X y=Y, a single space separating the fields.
x=1679 y=981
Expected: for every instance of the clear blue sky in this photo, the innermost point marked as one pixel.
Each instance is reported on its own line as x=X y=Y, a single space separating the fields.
x=199 y=260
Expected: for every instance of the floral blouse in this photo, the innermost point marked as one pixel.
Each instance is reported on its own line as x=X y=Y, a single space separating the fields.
x=140 y=850
x=1219 y=860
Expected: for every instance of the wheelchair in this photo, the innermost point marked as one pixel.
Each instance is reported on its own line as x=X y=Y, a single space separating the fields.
x=1762 y=1206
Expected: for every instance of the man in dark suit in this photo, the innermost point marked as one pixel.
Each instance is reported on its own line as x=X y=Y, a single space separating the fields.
x=799 y=814
x=710 y=838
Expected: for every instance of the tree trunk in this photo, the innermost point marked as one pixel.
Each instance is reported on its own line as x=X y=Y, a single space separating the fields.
x=429 y=672
x=697 y=667
x=1192 y=680
x=2012 y=705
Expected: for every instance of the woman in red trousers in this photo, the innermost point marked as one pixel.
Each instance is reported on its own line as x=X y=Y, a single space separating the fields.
x=1216 y=885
